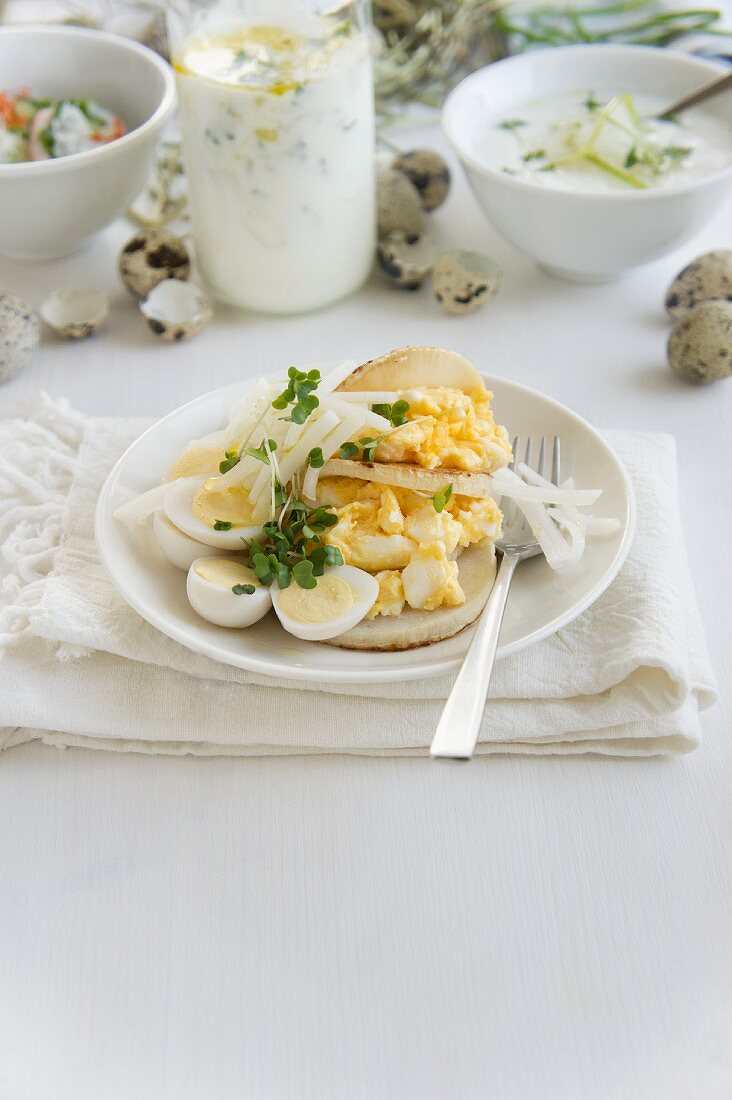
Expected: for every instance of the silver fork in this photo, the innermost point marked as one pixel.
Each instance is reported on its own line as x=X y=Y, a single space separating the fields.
x=458 y=728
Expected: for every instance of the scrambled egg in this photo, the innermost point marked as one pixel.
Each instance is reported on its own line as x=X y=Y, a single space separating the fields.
x=449 y=428
x=396 y=534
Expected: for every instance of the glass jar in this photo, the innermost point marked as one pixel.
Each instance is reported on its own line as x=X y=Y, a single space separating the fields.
x=277 y=116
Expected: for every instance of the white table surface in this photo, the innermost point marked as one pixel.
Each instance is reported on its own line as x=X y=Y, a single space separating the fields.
x=519 y=929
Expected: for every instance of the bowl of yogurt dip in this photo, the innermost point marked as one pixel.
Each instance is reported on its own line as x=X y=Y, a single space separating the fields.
x=569 y=163
x=102 y=103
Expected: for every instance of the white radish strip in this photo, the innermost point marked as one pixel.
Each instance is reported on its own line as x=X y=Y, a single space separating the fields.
x=375 y=397
x=573 y=523
x=299 y=453
x=554 y=546
x=330 y=446
x=214 y=439
x=261 y=484
x=366 y=417
x=337 y=374
x=142 y=506
x=598 y=525
x=508 y=484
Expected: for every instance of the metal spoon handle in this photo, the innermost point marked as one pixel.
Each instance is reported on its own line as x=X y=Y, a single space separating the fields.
x=458 y=728
x=715 y=87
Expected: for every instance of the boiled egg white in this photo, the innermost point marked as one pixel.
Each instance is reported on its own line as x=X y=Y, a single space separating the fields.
x=180 y=549
x=194 y=508
x=210 y=588
x=339 y=600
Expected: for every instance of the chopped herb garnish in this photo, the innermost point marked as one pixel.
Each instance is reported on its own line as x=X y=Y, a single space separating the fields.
x=260 y=453
x=511 y=123
x=535 y=154
x=222 y=525
x=440 y=499
x=396 y=414
x=243 y=589
x=315 y=458
x=299 y=394
x=231 y=459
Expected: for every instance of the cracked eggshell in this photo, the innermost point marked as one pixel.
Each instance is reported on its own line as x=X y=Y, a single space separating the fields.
x=700 y=346
x=398 y=205
x=151 y=257
x=464 y=281
x=706 y=279
x=20 y=332
x=175 y=310
x=75 y=311
x=406 y=259
x=428 y=172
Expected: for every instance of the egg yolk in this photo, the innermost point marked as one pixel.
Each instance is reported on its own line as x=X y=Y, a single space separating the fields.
x=228 y=505
x=198 y=460
x=224 y=572
x=331 y=597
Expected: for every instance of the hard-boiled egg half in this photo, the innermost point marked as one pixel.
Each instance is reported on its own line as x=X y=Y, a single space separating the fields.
x=180 y=550
x=340 y=599
x=226 y=593
x=214 y=515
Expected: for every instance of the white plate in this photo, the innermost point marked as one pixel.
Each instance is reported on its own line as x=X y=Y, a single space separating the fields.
x=541 y=601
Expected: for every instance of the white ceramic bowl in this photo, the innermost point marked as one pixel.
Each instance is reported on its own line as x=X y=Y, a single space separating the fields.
x=585 y=236
x=52 y=207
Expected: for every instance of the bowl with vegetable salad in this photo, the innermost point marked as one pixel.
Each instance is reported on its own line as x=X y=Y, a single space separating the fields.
x=80 y=114
x=568 y=159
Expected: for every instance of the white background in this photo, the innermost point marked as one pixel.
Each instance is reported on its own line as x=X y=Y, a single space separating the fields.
x=519 y=929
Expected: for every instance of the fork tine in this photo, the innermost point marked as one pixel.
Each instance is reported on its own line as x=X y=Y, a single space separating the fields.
x=527 y=456
x=542 y=457
x=514 y=448
x=556 y=461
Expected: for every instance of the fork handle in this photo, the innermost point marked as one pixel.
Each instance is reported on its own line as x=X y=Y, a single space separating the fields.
x=458 y=728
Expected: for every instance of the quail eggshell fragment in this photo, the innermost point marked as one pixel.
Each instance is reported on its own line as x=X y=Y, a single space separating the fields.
x=175 y=310
x=700 y=346
x=210 y=590
x=464 y=281
x=406 y=258
x=19 y=335
x=706 y=279
x=398 y=205
x=429 y=173
x=151 y=257
x=75 y=311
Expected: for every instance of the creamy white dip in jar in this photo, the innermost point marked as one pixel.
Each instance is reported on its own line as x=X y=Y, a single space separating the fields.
x=278 y=135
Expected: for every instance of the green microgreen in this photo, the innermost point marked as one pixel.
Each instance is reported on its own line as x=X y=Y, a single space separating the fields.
x=396 y=414
x=299 y=394
x=632 y=158
x=260 y=453
x=243 y=589
x=676 y=152
x=222 y=525
x=592 y=103
x=511 y=124
x=535 y=154
x=315 y=458
x=292 y=547
x=439 y=500
x=231 y=459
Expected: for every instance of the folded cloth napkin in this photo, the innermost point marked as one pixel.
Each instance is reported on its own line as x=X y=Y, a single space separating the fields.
x=80 y=667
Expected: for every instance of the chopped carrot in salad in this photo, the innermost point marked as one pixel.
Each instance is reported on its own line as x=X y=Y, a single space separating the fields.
x=40 y=129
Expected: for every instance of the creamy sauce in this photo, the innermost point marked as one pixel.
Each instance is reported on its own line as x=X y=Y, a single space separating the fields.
x=228 y=505
x=279 y=142
x=331 y=598
x=224 y=573
x=627 y=149
x=198 y=460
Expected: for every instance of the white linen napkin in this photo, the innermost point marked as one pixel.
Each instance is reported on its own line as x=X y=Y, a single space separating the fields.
x=80 y=667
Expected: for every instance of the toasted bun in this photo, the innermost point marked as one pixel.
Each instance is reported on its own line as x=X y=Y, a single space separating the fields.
x=407 y=476
x=415 y=368
x=477 y=570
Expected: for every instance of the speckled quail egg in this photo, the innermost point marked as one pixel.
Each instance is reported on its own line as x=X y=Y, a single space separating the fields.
x=398 y=205
x=465 y=281
x=700 y=346
x=75 y=311
x=19 y=335
x=175 y=311
x=215 y=516
x=429 y=173
x=406 y=258
x=226 y=593
x=340 y=599
x=151 y=257
x=706 y=279
x=180 y=549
